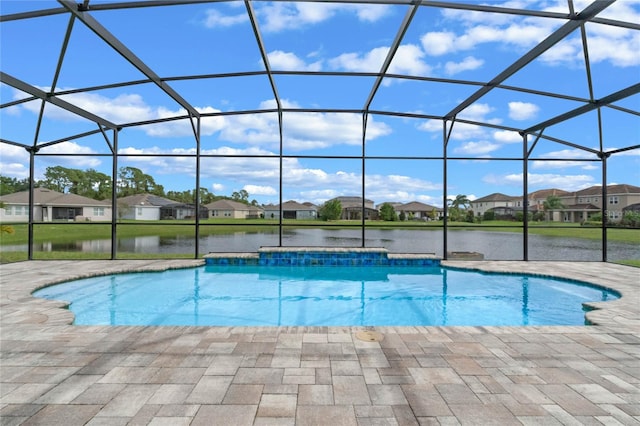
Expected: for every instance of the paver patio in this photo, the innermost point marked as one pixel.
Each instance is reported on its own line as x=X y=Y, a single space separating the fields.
x=54 y=373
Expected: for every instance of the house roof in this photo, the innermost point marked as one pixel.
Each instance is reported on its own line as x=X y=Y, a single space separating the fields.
x=581 y=207
x=146 y=200
x=45 y=196
x=611 y=190
x=632 y=208
x=225 y=204
x=349 y=201
x=544 y=193
x=496 y=196
x=416 y=206
x=289 y=205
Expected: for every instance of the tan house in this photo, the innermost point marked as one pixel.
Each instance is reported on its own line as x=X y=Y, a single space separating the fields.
x=416 y=210
x=581 y=205
x=229 y=209
x=52 y=206
x=491 y=202
x=352 y=208
x=537 y=198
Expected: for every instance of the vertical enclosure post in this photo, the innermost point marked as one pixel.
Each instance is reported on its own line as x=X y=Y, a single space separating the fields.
x=605 y=216
x=445 y=220
x=114 y=196
x=525 y=198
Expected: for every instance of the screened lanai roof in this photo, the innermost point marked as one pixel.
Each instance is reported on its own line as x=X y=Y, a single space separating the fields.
x=555 y=82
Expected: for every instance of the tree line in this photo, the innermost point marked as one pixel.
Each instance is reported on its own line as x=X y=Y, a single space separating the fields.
x=96 y=185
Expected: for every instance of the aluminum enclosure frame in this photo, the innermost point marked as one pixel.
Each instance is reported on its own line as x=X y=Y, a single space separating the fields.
x=88 y=14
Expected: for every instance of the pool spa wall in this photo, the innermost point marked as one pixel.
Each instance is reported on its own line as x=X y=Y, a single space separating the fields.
x=300 y=256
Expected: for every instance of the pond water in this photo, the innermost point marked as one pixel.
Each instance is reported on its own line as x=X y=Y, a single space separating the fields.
x=493 y=245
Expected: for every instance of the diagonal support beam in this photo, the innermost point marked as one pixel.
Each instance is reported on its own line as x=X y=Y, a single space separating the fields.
x=119 y=47
x=41 y=94
x=590 y=12
x=392 y=51
x=599 y=103
x=263 y=51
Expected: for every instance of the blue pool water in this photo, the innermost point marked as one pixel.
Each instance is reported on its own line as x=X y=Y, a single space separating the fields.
x=325 y=296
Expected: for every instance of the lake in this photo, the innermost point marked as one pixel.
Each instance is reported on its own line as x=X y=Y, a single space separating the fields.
x=493 y=245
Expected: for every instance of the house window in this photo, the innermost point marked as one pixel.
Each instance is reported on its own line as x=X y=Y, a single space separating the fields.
x=98 y=211
x=613 y=200
x=580 y=200
x=8 y=210
x=19 y=210
x=139 y=211
x=613 y=214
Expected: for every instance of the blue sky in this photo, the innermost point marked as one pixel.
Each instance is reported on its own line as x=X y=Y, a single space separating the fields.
x=217 y=38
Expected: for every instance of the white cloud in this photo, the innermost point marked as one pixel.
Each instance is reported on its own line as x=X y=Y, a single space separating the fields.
x=215 y=19
x=524 y=32
x=371 y=12
x=476 y=112
x=431 y=126
x=370 y=62
x=438 y=43
x=217 y=188
x=567 y=155
x=126 y=108
x=625 y=53
x=507 y=136
x=73 y=148
x=470 y=17
x=522 y=110
x=280 y=60
x=467 y=64
x=521 y=36
x=14 y=161
x=301 y=131
x=408 y=60
x=461 y=131
x=280 y=16
x=208 y=125
x=476 y=148
x=566 y=182
x=399 y=188
x=260 y=190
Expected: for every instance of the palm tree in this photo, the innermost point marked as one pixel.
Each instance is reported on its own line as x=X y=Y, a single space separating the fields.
x=460 y=202
x=552 y=202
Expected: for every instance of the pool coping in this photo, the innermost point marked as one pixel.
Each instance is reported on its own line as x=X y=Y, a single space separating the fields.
x=18 y=303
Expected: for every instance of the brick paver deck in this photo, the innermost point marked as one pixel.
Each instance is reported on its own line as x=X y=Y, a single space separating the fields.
x=54 y=373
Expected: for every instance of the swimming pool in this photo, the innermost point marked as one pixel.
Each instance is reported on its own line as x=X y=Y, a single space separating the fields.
x=259 y=295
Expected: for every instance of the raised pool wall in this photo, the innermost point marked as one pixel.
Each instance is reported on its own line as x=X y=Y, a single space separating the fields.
x=317 y=256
